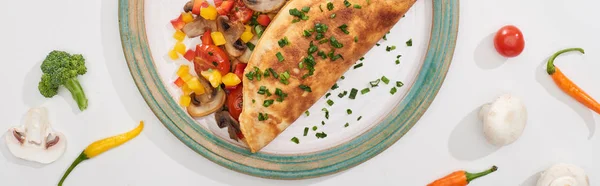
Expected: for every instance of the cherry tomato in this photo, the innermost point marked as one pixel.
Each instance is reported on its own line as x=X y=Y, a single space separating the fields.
x=239 y=70
x=200 y=64
x=206 y=39
x=241 y=12
x=234 y=102
x=214 y=56
x=224 y=7
x=263 y=19
x=509 y=41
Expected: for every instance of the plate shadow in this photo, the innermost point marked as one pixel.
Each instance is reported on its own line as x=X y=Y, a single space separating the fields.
x=532 y=180
x=467 y=141
x=546 y=81
x=486 y=56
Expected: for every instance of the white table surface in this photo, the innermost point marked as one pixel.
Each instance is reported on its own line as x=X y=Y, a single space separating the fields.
x=447 y=138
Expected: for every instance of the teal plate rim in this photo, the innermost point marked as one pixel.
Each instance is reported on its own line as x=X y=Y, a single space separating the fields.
x=389 y=130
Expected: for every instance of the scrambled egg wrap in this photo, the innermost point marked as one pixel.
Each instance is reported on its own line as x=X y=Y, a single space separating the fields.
x=367 y=22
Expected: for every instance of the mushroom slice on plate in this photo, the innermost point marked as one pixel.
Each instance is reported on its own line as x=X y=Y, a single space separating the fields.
x=35 y=140
x=264 y=6
x=563 y=175
x=198 y=27
x=503 y=120
x=211 y=101
x=224 y=119
x=232 y=31
x=245 y=57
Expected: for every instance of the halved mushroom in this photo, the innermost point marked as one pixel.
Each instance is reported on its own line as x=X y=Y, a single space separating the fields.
x=563 y=175
x=211 y=101
x=198 y=27
x=224 y=119
x=36 y=140
x=245 y=57
x=503 y=120
x=232 y=31
x=264 y=6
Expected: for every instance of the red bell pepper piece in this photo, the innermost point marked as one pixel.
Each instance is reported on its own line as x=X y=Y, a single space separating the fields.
x=224 y=7
x=263 y=19
x=190 y=55
x=178 y=23
x=206 y=39
x=199 y=4
x=179 y=82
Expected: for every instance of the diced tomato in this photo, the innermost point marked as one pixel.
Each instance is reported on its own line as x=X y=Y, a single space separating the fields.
x=178 y=23
x=218 y=2
x=201 y=64
x=198 y=4
x=241 y=12
x=263 y=19
x=206 y=39
x=239 y=70
x=215 y=56
x=190 y=55
x=234 y=102
x=225 y=7
x=179 y=82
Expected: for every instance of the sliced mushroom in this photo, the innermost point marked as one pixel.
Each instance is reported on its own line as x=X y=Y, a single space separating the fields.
x=209 y=102
x=264 y=6
x=36 y=140
x=188 y=6
x=224 y=119
x=198 y=27
x=232 y=31
x=245 y=57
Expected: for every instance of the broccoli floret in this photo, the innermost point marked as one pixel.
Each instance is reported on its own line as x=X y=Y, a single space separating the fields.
x=62 y=68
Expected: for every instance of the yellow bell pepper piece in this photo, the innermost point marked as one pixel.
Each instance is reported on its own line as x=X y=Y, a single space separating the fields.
x=187 y=17
x=194 y=85
x=186 y=89
x=180 y=48
x=218 y=38
x=209 y=13
x=186 y=77
x=102 y=146
x=246 y=36
x=183 y=69
x=179 y=35
x=185 y=100
x=213 y=76
x=173 y=55
x=248 y=28
x=230 y=80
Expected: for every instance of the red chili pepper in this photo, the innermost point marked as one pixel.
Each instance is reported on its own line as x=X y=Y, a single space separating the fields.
x=461 y=178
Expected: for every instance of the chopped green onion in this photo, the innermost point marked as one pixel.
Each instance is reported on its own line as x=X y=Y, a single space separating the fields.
x=305 y=88
x=335 y=86
x=295 y=140
x=384 y=37
x=324 y=41
x=312 y=49
x=349 y=111
x=250 y=46
x=321 y=135
x=343 y=77
x=357 y=6
x=346 y=125
x=409 y=42
x=268 y=102
x=253 y=101
x=326 y=113
x=374 y=83
x=305 y=131
x=321 y=28
x=329 y=6
x=399 y=84
x=263 y=116
x=344 y=28
x=397 y=61
x=321 y=8
x=322 y=122
x=341 y=95
x=330 y=102
x=327 y=95
x=259 y=30
x=353 y=93
x=390 y=48
x=297 y=13
x=377 y=44
x=336 y=57
x=279 y=57
x=295 y=20
x=362 y=58
x=347 y=4
x=358 y=65
x=398 y=56
x=360 y=117
x=262 y=90
x=314 y=128
x=307 y=33
x=275 y=75
x=322 y=54
x=356 y=39
x=307 y=113
x=385 y=80
x=334 y=42
x=283 y=42
x=306 y=9
x=393 y=91
x=365 y=90
x=332 y=16
x=319 y=36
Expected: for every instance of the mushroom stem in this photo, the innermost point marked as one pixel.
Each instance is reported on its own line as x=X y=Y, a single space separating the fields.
x=472 y=176
x=80 y=158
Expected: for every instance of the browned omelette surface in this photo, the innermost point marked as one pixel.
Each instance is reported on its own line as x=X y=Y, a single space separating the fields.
x=366 y=25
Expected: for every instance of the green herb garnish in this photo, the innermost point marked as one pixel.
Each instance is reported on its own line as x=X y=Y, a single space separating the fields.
x=344 y=28
x=362 y=58
x=374 y=83
x=330 y=102
x=357 y=6
x=263 y=116
x=306 y=9
x=334 y=42
x=390 y=48
x=409 y=42
x=349 y=111
x=329 y=6
x=295 y=140
x=359 y=117
x=393 y=91
x=399 y=84
x=312 y=49
x=321 y=135
x=364 y=91
x=353 y=93
x=347 y=4
x=307 y=33
x=305 y=88
x=314 y=128
x=385 y=80
x=322 y=122
x=332 y=16
x=341 y=95
x=335 y=86
x=327 y=95
x=326 y=113
x=283 y=42
x=250 y=46
x=356 y=39
x=297 y=13
x=268 y=102
x=358 y=65
x=305 y=131
x=321 y=28
x=307 y=113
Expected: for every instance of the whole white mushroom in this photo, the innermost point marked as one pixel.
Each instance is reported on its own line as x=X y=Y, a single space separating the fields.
x=563 y=174
x=503 y=120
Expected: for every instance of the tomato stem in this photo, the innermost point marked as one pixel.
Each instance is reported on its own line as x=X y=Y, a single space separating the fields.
x=550 y=65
